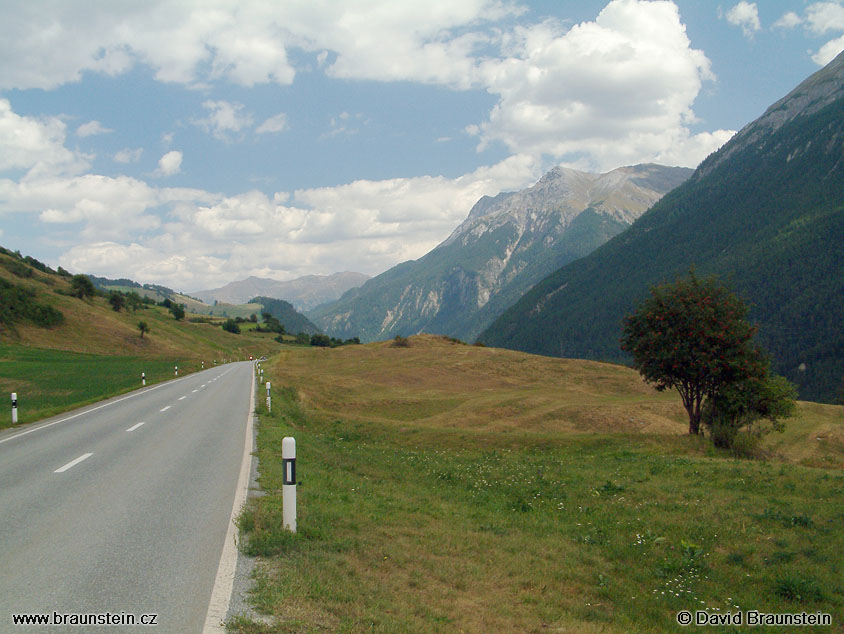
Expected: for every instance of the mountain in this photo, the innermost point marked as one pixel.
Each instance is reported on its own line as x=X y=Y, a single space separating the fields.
x=765 y=213
x=506 y=244
x=305 y=293
x=292 y=321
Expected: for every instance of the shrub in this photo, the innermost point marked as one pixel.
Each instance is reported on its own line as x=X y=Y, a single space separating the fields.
x=230 y=325
x=400 y=342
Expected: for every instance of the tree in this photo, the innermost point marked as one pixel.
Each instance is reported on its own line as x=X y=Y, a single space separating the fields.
x=81 y=286
x=692 y=335
x=178 y=311
x=230 y=325
x=117 y=300
x=143 y=327
x=741 y=405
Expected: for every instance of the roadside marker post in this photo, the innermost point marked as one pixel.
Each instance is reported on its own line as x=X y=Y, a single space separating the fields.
x=288 y=488
x=176 y=371
x=269 y=401
x=203 y=365
x=143 y=378
x=14 y=408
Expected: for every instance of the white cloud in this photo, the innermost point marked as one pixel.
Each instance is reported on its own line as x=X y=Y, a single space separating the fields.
x=745 y=15
x=92 y=128
x=36 y=145
x=128 y=156
x=276 y=123
x=207 y=240
x=820 y=19
x=788 y=20
x=600 y=94
x=224 y=120
x=169 y=164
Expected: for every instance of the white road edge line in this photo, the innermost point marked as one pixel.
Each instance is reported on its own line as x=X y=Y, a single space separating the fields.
x=221 y=595
x=182 y=398
x=164 y=409
x=73 y=463
x=134 y=427
x=93 y=409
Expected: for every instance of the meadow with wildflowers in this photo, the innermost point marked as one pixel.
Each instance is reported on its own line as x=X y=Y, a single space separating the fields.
x=526 y=494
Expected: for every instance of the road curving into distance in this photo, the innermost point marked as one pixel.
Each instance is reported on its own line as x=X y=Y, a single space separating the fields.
x=119 y=511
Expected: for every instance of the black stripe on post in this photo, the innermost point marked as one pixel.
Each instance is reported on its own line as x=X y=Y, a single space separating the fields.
x=289 y=465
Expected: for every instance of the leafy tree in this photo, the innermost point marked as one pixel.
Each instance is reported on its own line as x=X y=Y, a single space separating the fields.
x=117 y=301
x=81 y=286
x=321 y=341
x=134 y=301
x=230 y=325
x=303 y=338
x=741 y=405
x=692 y=335
x=253 y=318
x=143 y=327
x=178 y=311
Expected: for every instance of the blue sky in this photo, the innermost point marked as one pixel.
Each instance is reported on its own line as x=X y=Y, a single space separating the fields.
x=194 y=143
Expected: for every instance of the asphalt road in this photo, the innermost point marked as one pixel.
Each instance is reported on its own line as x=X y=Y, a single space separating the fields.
x=123 y=508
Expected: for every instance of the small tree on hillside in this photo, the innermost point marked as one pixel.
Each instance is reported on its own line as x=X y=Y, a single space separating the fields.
x=81 y=286
x=117 y=300
x=178 y=311
x=692 y=335
x=143 y=327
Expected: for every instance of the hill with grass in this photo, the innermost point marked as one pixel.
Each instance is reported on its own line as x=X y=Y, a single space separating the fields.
x=60 y=350
x=764 y=213
x=486 y=490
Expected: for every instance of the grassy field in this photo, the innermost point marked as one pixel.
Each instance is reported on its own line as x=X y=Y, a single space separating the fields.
x=449 y=488
x=48 y=382
x=97 y=352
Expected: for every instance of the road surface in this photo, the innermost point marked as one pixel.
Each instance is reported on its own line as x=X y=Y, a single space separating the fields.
x=119 y=511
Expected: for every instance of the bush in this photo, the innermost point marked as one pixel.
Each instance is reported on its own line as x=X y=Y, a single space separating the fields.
x=230 y=325
x=400 y=342
x=321 y=341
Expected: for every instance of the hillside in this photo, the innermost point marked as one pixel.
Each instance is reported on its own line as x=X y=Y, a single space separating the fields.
x=765 y=213
x=91 y=325
x=484 y=490
x=505 y=245
x=292 y=321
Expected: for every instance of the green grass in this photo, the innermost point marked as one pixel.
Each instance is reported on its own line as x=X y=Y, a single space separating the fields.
x=435 y=527
x=48 y=382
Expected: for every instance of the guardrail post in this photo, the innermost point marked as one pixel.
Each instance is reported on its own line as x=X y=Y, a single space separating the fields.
x=288 y=488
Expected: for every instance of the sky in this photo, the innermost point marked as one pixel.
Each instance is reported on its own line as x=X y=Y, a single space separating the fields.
x=191 y=143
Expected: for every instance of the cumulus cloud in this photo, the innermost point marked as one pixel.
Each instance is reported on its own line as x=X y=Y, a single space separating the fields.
x=169 y=164
x=602 y=93
x=224 y=120
x=745 y=15
x=205 y=239
x=276 y=123
x=92 y=128
x=36 y=146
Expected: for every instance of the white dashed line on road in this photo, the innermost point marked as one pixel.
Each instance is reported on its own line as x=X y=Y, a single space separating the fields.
x=73 y=463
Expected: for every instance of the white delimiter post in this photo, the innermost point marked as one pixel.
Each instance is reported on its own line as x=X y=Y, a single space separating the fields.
x=288 y=488
x=143 y=378
x=269 y=402
x=14 y=408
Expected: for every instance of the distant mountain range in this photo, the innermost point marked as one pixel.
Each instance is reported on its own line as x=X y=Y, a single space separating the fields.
x=304 y=293
x=506 y=244
x=765 y=213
